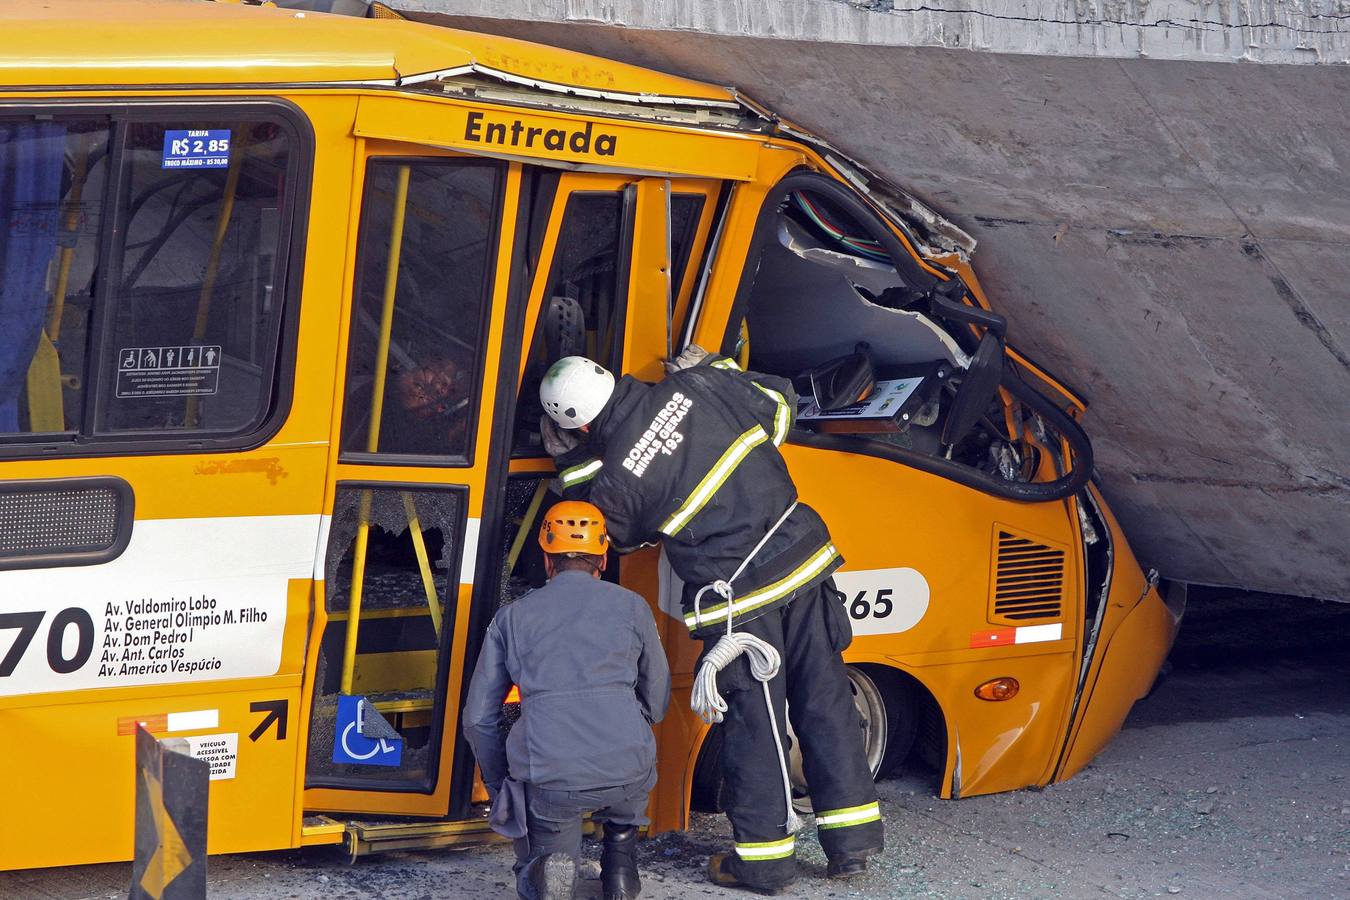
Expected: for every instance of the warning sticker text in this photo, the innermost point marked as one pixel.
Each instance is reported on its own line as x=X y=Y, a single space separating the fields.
x=221 y=751
x=168 y=371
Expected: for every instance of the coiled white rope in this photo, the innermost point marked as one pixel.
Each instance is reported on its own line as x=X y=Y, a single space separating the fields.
x=764 y=660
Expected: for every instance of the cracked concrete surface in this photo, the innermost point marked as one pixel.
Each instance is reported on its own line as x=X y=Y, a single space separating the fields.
x=1279 y=31
x=1169 y=234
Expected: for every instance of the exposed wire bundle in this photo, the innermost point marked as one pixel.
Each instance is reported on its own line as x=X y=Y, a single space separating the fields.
x=864 y=246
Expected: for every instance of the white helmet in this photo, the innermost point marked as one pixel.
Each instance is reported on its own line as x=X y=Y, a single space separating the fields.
x=574 y=390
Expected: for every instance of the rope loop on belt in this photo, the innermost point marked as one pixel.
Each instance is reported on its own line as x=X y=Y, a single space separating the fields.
x=764 y=659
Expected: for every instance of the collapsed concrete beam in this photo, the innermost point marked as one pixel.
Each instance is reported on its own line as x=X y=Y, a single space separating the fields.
x=1274 y=31
x=1172 y=235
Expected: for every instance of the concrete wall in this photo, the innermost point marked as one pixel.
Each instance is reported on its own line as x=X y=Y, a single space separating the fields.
x=1170 y=233
x=1272 y=31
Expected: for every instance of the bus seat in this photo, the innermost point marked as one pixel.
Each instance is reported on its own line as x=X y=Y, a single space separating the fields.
x=976 y=391
x=564 y=327
x=46 y=412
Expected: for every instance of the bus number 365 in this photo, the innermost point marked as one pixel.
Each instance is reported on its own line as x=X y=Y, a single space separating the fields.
x=880 y=608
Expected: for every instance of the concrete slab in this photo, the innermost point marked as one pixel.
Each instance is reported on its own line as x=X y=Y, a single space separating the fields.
x=1273 y=31
x=1168 y=233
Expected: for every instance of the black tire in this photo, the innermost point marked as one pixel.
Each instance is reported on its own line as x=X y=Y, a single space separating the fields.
x=902 y=720
x=897 y=697
x=705 y=794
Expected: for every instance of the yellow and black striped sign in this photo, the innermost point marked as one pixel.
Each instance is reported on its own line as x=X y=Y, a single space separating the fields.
x=171 y=797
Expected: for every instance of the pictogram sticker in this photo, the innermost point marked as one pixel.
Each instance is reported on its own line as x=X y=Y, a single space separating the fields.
x=352 y=747
x=168 y=371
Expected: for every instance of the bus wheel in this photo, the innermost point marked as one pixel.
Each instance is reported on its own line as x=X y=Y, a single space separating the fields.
x=885 y=705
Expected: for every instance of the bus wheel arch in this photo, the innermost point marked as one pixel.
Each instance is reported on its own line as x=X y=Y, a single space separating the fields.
x=900 y=717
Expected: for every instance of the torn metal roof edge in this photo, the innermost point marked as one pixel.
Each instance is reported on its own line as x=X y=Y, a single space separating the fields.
x=569 y=89
x=940 y=235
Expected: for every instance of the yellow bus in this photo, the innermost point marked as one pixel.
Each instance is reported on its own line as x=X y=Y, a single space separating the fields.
x=276 y=290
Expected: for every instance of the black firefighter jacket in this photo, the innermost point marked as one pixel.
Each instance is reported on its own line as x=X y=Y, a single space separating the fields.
x=693 y=462
x=593 y=680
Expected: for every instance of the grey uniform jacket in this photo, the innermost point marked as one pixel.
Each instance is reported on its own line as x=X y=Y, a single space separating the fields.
x=593 y=679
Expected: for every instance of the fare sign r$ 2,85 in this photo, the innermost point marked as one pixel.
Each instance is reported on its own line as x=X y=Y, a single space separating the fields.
x=196 y=149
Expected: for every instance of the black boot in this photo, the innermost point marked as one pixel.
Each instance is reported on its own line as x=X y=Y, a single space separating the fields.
x=618 y=863
x=550 y=877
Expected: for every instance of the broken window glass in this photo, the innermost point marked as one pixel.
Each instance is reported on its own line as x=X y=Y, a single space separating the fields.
x=394 y=553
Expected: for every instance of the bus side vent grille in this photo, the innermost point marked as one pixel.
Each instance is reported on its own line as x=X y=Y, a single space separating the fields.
x=63 y=522
x=1028 y=579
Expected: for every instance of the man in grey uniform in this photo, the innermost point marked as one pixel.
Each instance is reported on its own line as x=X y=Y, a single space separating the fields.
x=593 y=679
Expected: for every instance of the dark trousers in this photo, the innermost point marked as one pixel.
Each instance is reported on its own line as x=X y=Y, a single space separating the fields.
x=809 y=633
x=553 y=818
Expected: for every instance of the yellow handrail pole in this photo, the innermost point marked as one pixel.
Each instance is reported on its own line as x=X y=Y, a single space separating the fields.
x=46 y=402
x=376 y=415
x=523 y=532
x=213 y=264
x=423 y=562
x=79 y=173
x=354 y=600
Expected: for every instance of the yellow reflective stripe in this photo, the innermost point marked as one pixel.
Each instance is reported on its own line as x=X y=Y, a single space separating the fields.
x=782 y=417
x=725 y=364
x=713 y=481
x=819 y=561
x=768 y=849
x=852 y=815
x=580 y=473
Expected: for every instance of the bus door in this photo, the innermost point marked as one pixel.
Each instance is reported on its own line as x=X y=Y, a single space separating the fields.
x=410 y=478
x=618 y=261
x=614 y=271
x=158 y=504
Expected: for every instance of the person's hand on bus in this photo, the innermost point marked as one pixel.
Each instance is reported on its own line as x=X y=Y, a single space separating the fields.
x=689 y=357
x=557 y=441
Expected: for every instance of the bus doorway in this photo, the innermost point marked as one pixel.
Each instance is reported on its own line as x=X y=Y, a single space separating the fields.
x=408 y=479
x=436 y=483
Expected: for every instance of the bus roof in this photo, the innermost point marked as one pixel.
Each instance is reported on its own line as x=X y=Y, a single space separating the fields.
x=182 y=43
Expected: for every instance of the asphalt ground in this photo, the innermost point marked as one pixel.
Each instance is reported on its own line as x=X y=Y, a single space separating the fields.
x=1231 y=780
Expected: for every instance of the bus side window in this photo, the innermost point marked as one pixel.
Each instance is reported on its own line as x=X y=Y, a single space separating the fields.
x=416 y=349
x=585 y=304
x=685 y=212
x=52 y=181
x=196 y=296
x=583 y=309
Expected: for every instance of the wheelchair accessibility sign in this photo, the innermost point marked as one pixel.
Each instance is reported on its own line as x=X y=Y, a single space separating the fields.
x=363 y=737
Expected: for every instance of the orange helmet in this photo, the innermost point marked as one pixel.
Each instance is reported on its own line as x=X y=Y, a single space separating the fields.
x=573 y=527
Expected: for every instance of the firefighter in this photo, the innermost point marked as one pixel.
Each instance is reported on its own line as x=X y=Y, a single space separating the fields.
x=593 y=679
x=693 y=462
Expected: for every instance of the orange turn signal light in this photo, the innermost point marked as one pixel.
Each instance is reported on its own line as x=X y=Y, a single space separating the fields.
x=1004 y=688
x=513 y=695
